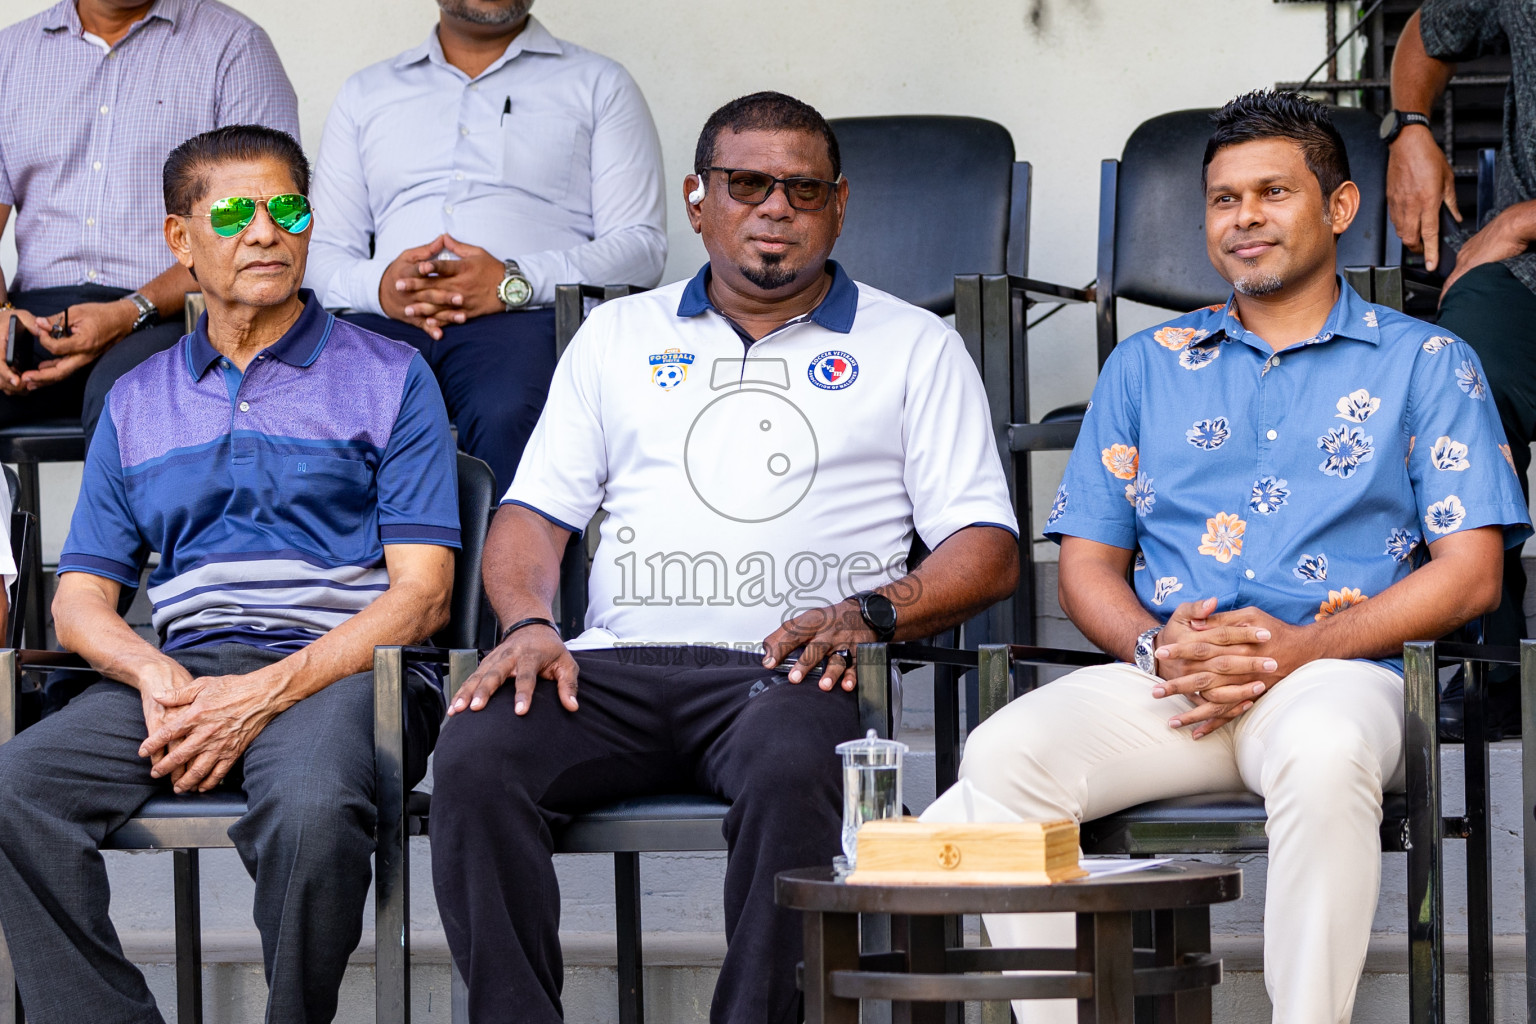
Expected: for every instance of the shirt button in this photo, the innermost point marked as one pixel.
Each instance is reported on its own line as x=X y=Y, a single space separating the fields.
x=1248 y=573
x=1271 y=435
x=90 y=222
x=96 y=166
x=1277 y=360
x=463 y=131
x=104 y=108
x=224 y=363
x=245 y=406
x=91 y=274
x=458 y=176
x=448 y=208
x=474 y=87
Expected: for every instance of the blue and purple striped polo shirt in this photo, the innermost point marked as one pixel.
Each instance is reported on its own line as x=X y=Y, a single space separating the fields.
x=270 y=494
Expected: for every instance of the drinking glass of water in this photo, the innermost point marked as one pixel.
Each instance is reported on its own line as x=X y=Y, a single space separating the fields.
x=871 y=785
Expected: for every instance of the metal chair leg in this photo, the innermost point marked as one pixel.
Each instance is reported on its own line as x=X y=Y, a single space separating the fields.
x=34 y=615
x=1426 y=881
x=1479 y=847
x=626 y=902
x=189 y=938
x=10 y=998
x=1528 y=812
x=392 y=879
x=458 y=1012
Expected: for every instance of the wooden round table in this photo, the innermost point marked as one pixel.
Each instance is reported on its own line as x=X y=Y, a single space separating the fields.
x=928 y=967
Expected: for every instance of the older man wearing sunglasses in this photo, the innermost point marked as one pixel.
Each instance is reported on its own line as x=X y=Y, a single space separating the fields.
x=296 y=475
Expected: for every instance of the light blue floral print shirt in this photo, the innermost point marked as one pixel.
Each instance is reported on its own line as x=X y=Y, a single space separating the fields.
x=1300 y=482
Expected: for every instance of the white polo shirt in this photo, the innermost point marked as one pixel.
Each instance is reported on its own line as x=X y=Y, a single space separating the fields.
x=747 y=485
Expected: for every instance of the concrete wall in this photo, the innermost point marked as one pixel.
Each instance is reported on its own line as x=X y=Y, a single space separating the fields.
x=1070 y=91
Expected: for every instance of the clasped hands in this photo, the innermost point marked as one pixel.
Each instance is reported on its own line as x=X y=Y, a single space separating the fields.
x=1223 y=662
x=424 y=289
x=199 y=728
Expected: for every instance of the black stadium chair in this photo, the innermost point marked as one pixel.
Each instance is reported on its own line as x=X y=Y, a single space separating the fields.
x=186 y=824
x=931 y=197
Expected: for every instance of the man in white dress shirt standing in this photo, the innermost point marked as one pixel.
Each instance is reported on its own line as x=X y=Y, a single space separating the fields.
x=461 y=181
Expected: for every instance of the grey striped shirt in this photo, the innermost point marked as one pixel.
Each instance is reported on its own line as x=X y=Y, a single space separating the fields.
x=84 y=131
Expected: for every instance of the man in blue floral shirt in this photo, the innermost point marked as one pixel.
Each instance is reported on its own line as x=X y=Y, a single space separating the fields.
x=1282 y=464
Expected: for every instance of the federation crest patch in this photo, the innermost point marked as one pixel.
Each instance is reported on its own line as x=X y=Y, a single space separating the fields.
x=833 y=371
x=670 y=368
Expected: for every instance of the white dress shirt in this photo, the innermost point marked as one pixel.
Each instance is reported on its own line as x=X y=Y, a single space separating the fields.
x=568 y=183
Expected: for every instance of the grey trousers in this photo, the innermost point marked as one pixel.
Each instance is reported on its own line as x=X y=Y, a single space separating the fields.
x=306 y=839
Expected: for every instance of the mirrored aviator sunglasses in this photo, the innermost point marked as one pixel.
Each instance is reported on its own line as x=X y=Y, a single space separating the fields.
x=228 y=217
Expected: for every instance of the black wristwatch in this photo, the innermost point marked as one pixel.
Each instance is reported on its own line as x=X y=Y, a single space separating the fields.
x=879 y=614
x=1396 y=120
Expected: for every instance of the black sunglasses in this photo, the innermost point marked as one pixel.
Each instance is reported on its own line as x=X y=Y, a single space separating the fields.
x=754 y=188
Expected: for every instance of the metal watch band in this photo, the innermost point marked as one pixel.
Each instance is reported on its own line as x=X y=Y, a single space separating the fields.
x=513 y=273
x=1145 y=653
x=147 y=310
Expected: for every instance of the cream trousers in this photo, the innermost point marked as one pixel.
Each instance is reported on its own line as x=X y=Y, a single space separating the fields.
x=1320 y=747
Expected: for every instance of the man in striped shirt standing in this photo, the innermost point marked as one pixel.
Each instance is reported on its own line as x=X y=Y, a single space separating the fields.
x=296 y=474
x=93 y=95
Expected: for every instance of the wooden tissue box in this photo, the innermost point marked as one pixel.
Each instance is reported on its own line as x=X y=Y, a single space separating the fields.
x=905 y=851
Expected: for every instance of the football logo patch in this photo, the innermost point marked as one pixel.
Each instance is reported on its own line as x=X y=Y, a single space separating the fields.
x=670 y=368
x=833 y=371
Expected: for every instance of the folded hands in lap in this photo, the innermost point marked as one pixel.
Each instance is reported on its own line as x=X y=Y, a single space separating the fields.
x=426 y=290
x=1223 y=662
x=199 y=728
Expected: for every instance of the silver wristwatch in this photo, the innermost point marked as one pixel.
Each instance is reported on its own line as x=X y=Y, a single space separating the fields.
x=514 y=291
x=148 y=314
x=1146 y=647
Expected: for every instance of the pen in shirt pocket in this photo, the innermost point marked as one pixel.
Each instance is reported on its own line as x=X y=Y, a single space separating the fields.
x=506 y=108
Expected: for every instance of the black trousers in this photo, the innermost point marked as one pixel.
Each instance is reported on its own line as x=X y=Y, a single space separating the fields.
x=1492 y=311
x=494 y=371
x=665 y=719
x=84 y=393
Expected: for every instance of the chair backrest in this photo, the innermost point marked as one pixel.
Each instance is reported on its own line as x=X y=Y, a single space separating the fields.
x=192 y=309
x=1158 y=212
x=477 y=499
x=929 y=198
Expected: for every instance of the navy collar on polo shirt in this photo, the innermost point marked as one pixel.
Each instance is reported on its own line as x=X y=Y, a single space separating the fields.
x=835 y=311
x=299 y=346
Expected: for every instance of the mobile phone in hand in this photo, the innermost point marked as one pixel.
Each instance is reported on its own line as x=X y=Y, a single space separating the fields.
x=20 y=353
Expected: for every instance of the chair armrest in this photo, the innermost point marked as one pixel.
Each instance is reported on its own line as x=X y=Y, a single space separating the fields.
x=12 y=664
x=1044 y=291
x=878 y=687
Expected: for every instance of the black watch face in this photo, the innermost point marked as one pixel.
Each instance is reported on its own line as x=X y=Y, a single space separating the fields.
x=880 y=613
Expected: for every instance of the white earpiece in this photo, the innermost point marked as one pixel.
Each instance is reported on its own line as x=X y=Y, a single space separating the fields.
x=697 y=195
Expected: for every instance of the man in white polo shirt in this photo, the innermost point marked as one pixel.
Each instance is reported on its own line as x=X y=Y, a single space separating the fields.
x=767 y=440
